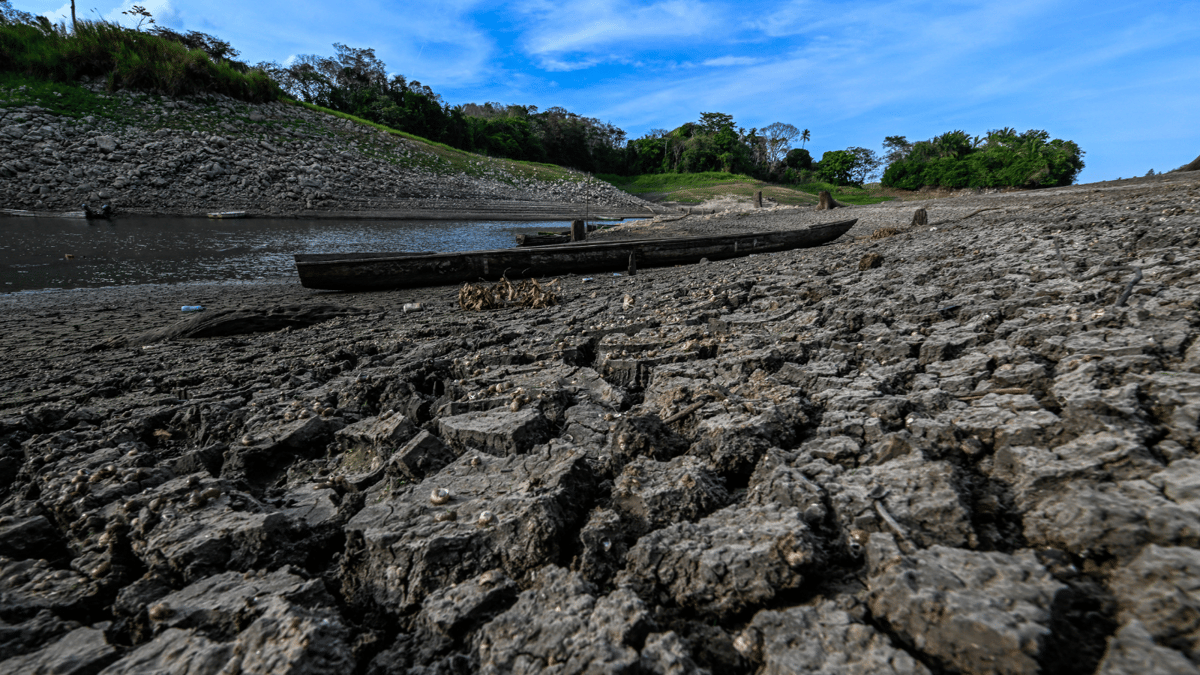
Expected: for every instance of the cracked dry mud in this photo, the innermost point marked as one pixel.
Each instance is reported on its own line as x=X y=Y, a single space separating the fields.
x=966 y=458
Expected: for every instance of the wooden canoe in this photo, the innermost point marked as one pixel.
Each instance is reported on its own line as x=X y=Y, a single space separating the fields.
x=381 y=271
x=543 y=239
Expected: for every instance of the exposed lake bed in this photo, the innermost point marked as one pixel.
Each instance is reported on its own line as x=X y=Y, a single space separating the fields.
x=966 y=456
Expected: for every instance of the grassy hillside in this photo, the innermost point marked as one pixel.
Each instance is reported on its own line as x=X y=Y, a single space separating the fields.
x=694 y=188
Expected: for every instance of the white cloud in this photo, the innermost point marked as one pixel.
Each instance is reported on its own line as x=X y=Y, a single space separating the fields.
x=731 y=61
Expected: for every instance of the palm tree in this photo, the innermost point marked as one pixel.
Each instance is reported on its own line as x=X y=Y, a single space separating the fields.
x=804 y=137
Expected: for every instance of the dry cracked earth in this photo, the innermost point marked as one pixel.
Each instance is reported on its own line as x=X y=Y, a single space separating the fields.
x=964 y=447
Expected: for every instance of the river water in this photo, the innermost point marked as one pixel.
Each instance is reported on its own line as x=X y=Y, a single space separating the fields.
x=41 y=253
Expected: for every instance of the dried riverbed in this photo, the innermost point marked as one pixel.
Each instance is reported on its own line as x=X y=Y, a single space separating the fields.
x=950 y=449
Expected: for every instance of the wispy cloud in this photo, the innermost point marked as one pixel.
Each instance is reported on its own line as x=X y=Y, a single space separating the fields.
x=731 y=61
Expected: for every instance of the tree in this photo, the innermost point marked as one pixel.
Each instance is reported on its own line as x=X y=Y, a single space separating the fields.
x=837 y=167
x=866 y=164
x=10 y=16
x=777 y=138
x=139 y=11
x=798 y=158
x=804 y=137
x=897 y=148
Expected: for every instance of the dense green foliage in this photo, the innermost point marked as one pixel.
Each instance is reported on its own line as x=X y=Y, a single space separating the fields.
x=355 y=82
x=1003 y=158
x=126 y=59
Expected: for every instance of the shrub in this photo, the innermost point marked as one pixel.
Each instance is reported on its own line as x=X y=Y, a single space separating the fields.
x=1003 y=158
x=126 y=59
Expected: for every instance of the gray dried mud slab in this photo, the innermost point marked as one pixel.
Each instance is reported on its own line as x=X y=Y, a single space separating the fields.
x=974 y=611
x=821 y=639
x=80 y=652
x=562 y=625
x=736 y=558
x=498 y=432
x=512 y=513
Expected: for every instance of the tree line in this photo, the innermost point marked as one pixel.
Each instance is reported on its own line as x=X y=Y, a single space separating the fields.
x=355 y=81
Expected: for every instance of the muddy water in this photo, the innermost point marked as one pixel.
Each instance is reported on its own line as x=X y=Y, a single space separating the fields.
x=40 y=253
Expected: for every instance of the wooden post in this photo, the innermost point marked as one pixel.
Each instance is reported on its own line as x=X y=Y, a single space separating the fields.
x=920 y=218
x=578 y=231
x=758 y=199
x=633 y=263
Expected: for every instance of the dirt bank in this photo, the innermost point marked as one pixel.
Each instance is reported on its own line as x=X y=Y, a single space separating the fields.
x=165 y=156
x=966 y=447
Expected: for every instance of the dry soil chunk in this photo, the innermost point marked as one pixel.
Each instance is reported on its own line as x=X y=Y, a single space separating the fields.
x=222 y=604
x=499 y=432
x=821 y=639
x=561 y=626
x=1133 y=651
x=512 y=513
x=80 y=652
x=980 y=612
x=731 y=560
x=1161 y=590
x=651 y=494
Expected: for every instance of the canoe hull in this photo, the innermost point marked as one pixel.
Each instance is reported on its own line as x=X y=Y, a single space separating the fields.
x=382 y=271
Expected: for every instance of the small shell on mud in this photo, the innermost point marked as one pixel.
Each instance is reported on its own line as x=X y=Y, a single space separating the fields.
x=446 y=517
x=193 y=481
x=195 y=501
x=475 y=461
x=246 y=440
x=856 y=541
x=439 y=496
x=160 y=612
x=485 y=518
x=211 y=493
x=606 y=545
x=515 y=406
x=101 y=569
x=156 y=504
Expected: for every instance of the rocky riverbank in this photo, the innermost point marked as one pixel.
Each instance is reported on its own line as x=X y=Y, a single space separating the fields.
x=965 y=447
x=154 y=155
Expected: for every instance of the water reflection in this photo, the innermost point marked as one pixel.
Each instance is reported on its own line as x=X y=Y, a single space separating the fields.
x=40 y=253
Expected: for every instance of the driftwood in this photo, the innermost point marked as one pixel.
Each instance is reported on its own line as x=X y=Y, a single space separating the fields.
x=758 y=199
x=578 y=230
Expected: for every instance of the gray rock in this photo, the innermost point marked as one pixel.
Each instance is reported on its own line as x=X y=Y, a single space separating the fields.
x=107 y=144
x=821 y=639
x=975 y=611
x=560 y=625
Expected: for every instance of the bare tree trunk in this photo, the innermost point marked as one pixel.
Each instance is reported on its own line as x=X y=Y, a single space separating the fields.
x=758 y=199
x=578 y=231
x=74 y=25
x=920 y=218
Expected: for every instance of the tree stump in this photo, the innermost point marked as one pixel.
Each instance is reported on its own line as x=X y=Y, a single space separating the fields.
x=578 y=231
x=920 y=218
x=758 y=199
x=633 y=263
x=827 y=201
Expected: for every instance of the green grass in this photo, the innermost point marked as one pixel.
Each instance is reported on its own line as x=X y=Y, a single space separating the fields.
x=452 y=160
x=61 y=98
x=694 y=188
x=126 y=59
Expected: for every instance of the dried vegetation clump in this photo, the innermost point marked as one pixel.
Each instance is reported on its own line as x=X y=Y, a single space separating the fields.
x=528 y=294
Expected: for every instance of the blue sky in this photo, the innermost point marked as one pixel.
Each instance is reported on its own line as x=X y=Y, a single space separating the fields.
x=1122 y=79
